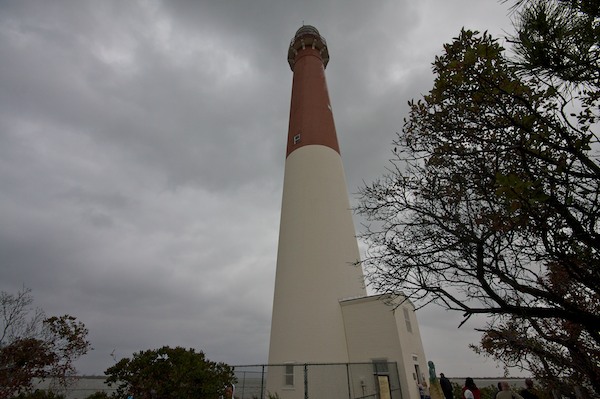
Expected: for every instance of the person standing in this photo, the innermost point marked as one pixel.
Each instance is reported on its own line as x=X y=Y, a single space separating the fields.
x=426 y=393
x=446 y=387
x=506 y=393
x=470 y=390
x=529 y=392
x=499 y=389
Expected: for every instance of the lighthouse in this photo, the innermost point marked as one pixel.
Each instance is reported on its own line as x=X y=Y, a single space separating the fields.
x=321 y=312
x=317 y=243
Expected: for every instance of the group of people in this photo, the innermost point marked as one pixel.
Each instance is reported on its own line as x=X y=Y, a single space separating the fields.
x=470 y=390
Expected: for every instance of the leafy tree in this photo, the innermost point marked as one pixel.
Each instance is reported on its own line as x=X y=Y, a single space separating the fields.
x=559 y=39
x=35 y=346
x=169 y=373
x=40 y=394
x=492 y=201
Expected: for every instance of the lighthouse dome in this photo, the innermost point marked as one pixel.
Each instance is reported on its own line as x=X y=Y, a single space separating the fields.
x=307 y=36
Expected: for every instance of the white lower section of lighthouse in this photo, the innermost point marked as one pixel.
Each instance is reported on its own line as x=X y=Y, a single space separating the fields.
x=317 y=246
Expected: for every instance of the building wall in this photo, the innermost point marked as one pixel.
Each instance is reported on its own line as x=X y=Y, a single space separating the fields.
x=377 y=331
x=412 y=353
x=317 y=246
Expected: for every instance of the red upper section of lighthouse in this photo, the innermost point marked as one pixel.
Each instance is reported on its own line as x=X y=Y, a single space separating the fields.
x=311 y=117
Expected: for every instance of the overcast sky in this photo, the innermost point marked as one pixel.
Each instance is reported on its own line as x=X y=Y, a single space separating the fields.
x=142 y=147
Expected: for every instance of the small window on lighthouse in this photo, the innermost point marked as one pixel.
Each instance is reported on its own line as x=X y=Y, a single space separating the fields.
x=289 y=375
x=407 y=320
x=297 y=138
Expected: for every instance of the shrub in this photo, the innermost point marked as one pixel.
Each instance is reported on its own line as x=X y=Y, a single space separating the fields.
x=40 y=394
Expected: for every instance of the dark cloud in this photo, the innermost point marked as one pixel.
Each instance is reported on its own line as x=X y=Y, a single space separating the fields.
x=142 y=152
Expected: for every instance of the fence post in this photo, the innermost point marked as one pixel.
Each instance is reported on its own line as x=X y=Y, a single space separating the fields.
x=243 y=383
x=305 y=381
x=262 y=381
x=348 y=379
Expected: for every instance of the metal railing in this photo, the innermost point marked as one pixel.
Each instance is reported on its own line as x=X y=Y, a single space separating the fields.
x=318 y=380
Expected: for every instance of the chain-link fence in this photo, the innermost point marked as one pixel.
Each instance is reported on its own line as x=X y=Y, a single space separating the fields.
x=378 y=380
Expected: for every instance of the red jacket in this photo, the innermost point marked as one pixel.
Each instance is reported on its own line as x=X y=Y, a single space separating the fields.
x=476 y=392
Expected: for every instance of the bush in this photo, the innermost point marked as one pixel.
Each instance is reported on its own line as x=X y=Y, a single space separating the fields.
x=40 y=394
x=170 y=373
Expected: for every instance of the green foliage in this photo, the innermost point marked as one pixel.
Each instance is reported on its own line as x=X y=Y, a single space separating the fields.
x=559 y=39
x=491 y=204
x=35 y=346
x=169 y=373
x=40 y=394
x=457 y=390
